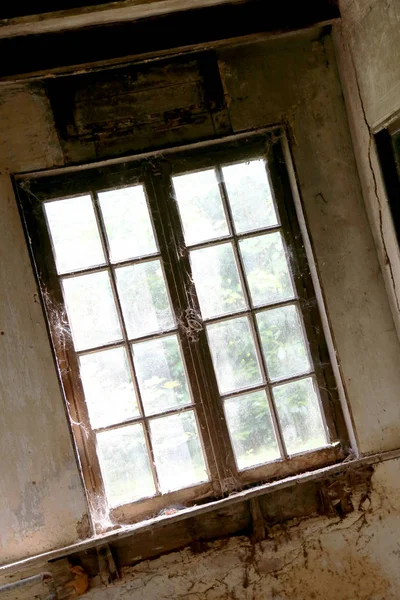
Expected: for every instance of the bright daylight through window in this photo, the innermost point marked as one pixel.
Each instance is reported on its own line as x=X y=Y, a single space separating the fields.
x=190 y=347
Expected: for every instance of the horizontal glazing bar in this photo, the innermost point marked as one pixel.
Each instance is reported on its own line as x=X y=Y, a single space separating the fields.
x=256 y=232
x=168 y=412
x=153 y=336
x=86 y=271
x=120 y=342
x=256 y=310
x=291 y=379
x=262 y=386
x=103 y=267
x=243 y=391
x=239 y=236
x=108 y=346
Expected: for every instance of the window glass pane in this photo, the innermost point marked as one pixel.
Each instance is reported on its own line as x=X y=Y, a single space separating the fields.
x=234 y=355
x=217 y=280
x=250 y=196
x=128 y=225
x=108 y=387
x=251 y=430
x=74 y=233
x=91 y=310
x=144 y=298
x=161 y=374
x=177 y=451
x=200 y=206
x=125 y=465
x=266 y=268
x=283 y=342
x=300 y=416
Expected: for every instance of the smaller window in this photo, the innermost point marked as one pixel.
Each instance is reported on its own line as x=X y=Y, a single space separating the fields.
x=184 y=322
x=388 y=147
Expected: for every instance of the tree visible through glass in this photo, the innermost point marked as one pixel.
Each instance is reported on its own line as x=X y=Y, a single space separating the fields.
x=251 y=312
x=128 y=339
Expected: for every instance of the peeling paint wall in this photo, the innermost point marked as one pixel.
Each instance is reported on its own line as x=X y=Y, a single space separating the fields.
x=355 y=558
x=292 y=80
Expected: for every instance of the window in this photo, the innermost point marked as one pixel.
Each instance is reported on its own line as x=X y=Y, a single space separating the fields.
x=184 y=323
x=388 y=146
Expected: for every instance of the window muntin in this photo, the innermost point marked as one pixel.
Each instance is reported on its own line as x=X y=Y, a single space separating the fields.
x=128 y=303
x=259 y=409
x=250 y=311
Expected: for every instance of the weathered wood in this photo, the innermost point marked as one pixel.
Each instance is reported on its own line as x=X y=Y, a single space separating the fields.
x=16 y=19
x=153 y=526
x=28 y=54
x=257 y=520
x=126 y=110
x=107 y=568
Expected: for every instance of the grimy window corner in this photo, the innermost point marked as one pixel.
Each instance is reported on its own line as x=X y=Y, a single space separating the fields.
x=191 y=353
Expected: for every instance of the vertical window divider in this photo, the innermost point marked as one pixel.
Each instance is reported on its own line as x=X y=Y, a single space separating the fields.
x=145 y=420
x=251 y=314
x=216 y=441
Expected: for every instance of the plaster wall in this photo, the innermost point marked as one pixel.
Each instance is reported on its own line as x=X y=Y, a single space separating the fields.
x=42 y=503
x=352 y=559
x=367 y=43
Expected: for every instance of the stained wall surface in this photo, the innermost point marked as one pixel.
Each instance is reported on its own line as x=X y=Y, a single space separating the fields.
x=42 y=502
x=293 y=81
x=367 y=41
x=334 y=559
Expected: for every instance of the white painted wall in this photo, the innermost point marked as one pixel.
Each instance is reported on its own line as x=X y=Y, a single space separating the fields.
x=294 y=81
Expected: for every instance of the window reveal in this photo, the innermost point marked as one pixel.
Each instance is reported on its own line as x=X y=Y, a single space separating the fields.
x=191 y=346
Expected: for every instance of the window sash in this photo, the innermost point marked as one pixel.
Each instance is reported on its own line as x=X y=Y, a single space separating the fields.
x=156 y=176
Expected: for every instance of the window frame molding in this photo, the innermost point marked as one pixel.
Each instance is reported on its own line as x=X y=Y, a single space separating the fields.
x=33 y=189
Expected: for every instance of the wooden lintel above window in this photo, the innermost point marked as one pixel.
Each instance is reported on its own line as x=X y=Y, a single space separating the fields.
x=65 y=48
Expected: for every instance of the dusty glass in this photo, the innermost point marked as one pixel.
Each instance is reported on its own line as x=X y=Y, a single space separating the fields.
x=124 y=463
x=300 y=415
x=178 y=453
x=127 y=222
x=200 y=206
x=266 y=269
x=217 y=280
x=251 y=430
x=249 y=195
x=108 y=387
x=144 y=299
x=91 y=310
x=283 y=342
x=161 y=374
x=74 y=234
x=234 y=354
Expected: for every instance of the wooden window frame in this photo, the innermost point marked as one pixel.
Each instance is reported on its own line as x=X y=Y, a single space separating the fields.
x=154 y=171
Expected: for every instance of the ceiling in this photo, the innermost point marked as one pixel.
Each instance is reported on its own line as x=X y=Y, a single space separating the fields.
x=88 y=34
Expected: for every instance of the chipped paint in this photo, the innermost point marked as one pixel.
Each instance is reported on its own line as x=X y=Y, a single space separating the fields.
x=351 y=558
x=42 y=503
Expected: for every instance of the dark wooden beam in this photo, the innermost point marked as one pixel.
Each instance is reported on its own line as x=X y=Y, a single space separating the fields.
x=21 y=8
x=153 y=36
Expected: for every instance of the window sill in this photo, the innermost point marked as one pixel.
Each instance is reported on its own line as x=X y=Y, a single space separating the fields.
x=159 y=522
x=200 y=497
